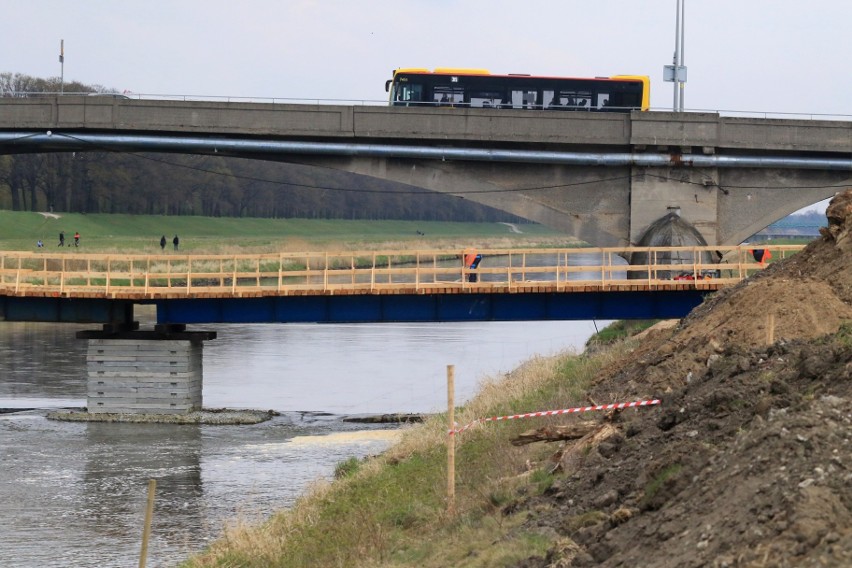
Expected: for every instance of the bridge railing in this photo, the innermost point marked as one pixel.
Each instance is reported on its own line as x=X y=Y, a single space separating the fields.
x=363 y=272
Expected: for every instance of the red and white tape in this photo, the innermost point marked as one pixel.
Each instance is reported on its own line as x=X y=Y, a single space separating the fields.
x=617 y=406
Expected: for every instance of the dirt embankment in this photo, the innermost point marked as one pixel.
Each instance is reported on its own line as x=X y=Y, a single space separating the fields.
x=748 y=461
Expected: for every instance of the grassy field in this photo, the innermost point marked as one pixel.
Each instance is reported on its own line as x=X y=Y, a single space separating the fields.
x=141 y=233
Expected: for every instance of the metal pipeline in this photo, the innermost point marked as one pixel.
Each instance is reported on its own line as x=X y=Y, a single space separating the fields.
x=20 y=142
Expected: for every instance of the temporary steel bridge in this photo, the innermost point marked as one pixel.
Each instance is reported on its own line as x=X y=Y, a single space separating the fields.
x=356 y=286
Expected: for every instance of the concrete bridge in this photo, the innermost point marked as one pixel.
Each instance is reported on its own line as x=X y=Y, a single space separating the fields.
x=602 y=177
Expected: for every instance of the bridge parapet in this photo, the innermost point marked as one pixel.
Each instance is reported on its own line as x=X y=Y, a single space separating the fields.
x=712 y=131
x=426 y=125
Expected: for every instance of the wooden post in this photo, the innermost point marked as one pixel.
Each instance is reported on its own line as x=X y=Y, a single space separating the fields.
x=770 y=329
x=451 y=441
x=149 y=512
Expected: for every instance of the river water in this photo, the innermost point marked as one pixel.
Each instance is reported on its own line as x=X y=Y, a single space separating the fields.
x=75 y=494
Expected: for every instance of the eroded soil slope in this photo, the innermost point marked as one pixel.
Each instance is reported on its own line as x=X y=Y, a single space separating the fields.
x=748 y=461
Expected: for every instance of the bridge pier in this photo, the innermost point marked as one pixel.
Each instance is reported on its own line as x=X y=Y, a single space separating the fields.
x=145 y=372
x=691 y=193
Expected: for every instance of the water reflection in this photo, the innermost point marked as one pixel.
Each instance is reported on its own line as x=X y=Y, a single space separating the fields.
x=41 y=361
x=141 y=452
x=369 y=368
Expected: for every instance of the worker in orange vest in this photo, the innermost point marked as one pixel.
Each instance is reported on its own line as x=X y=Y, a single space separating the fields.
x=471 y=260
x=761 y=255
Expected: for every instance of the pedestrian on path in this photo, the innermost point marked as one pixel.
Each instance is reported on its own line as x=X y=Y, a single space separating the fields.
x=62 y=238
x=77 y=239
x=163 y=242
x=176 y=241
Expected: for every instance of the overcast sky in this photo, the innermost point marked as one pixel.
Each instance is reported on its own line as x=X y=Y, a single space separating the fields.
x=777 y=56
x=756 y=55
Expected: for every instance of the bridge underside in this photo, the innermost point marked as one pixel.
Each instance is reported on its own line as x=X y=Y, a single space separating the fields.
x=607 y=199
x=365 y=308
x=613 y=206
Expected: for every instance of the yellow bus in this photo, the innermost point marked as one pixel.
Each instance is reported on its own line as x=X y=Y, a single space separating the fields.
x=478 y=88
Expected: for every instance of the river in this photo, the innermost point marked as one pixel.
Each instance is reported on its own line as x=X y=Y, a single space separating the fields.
x=74 y=494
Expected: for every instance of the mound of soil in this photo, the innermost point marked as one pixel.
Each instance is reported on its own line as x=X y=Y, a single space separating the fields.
x=748 y=460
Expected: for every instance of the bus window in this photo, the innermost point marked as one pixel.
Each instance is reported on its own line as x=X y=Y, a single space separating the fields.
x=632 y=100
x=551 y=100
x=625 y=96
x=576 y=100
x=447 y=96
x=624 y=101
x=408 y=93
x=602 y=101
x=486 y=99
x=522 y=99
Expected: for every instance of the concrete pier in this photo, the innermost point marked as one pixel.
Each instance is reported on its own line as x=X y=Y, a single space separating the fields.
x=144 y=372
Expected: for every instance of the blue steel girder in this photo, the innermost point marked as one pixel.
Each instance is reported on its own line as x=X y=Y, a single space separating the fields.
x=432 y=307
x=65 y=310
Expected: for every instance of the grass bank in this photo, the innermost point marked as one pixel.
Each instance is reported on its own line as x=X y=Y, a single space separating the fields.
x=391 y=510
x=214 y=235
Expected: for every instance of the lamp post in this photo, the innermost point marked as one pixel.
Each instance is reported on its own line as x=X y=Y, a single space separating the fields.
x=676 y=72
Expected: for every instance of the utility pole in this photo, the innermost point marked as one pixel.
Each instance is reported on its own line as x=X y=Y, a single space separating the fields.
x=681 y=84
x=62 y=66
x=676 y=72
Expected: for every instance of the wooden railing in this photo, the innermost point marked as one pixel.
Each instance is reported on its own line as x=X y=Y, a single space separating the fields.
x=49 y=273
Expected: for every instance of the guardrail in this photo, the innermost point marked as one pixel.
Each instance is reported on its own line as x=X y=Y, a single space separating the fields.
x=150 y=277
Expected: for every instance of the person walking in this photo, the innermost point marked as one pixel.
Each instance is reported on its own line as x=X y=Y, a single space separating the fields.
x=163 y=242
x=176 y=241
x=62 y=238
x=77 y=239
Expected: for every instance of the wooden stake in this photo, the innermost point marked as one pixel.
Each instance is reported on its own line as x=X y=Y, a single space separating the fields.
x=149 y=512
x=770 y=329
x=451 y=440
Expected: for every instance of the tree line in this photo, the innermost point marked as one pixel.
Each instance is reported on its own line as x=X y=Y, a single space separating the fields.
x=177 y=184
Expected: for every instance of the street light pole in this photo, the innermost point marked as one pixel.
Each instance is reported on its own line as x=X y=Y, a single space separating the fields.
x=676 y=58
x=682 y=83
x=676 y=72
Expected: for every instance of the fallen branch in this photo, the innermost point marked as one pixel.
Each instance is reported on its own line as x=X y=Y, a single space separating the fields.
x=555 y=433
